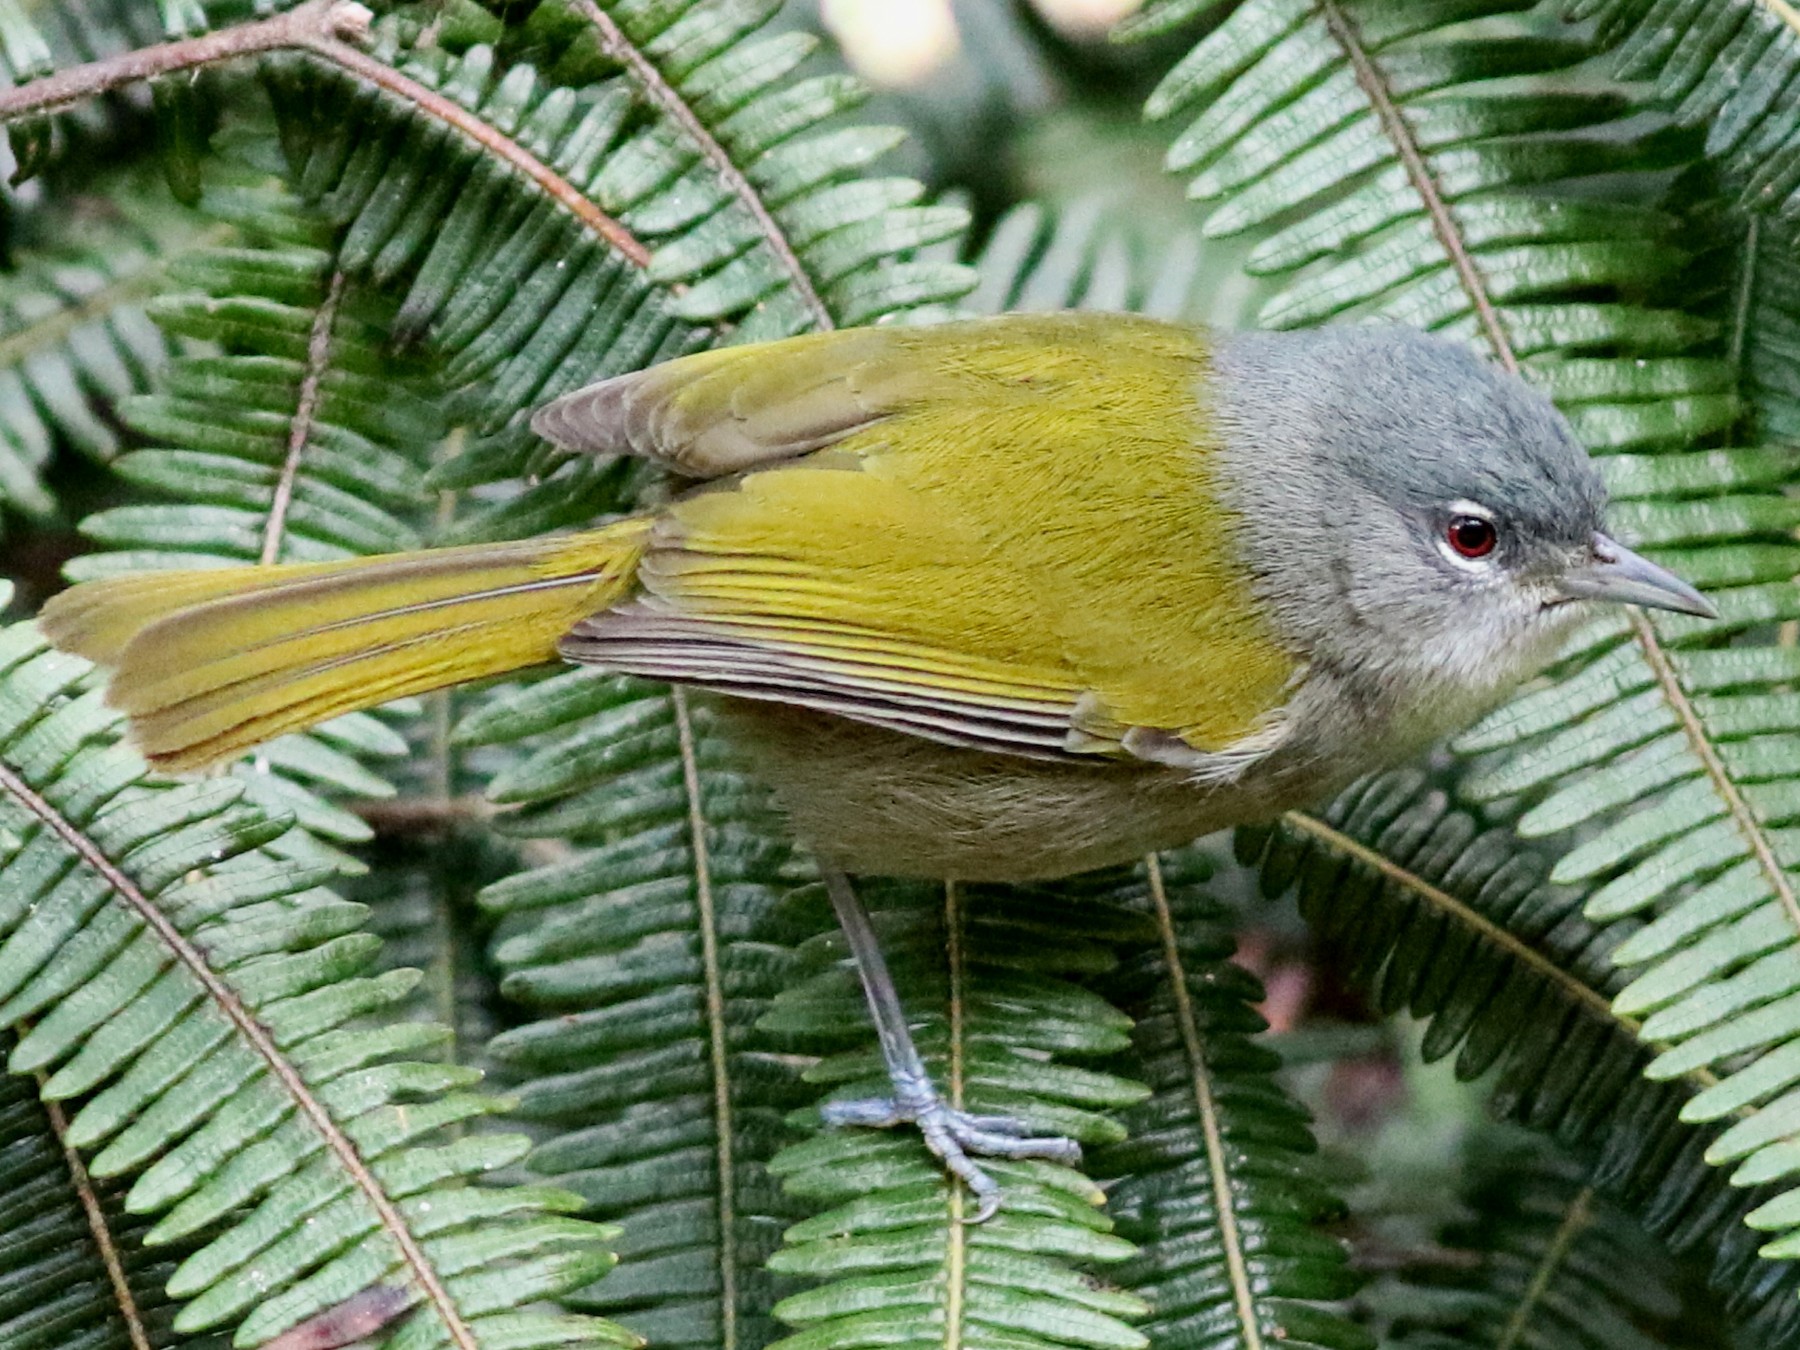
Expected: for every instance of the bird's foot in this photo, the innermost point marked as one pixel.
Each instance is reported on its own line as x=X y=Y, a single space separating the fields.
x=956 y=1137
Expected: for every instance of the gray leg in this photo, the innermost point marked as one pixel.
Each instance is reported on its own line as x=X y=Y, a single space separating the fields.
x=950 y=1134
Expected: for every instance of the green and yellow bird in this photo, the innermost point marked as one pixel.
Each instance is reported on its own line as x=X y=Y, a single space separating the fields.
x=999 y=599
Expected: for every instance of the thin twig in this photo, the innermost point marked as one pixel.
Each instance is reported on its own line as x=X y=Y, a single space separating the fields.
x=1589 y=1000
x=1592 y=1001
x=104 y=1241
x=326 y=29
x=306 y=407
x=1574 y=1221
x=666 y=97
x=718 y=1045
x=1206 y=1106
x=423 y=815
x=956 y=1234
x=302 y=26
x=58 y=324
x=1749 y=826
x=495 y=143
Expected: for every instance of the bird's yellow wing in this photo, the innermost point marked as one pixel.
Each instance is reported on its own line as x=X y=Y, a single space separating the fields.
x=1002 y=534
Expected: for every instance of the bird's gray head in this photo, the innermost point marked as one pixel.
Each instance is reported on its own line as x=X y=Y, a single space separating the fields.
x=1416 y=517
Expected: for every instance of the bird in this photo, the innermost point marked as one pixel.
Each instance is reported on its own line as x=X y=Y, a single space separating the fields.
x=996 y=599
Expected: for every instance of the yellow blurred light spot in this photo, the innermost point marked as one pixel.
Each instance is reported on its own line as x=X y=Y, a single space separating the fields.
x=893 y=44
x=1086 y=18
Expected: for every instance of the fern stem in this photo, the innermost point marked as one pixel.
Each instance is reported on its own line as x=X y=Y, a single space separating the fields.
x=1578 y=993
x=669 y=100
x=724 y=1126
x=258 y=1039
x=1418 y=172
x=318 y=355
x=325 y=29
x=54 y=328
x=1576 y=1218
x=104 y=1242
x=1755 y=835
x=1444 y=225
x=956 y=1248
x=502 y=147
x=1746 y=297
x=300 y=27
x=1231 y=1237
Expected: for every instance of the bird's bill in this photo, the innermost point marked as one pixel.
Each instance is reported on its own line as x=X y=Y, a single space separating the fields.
x=1614 y=572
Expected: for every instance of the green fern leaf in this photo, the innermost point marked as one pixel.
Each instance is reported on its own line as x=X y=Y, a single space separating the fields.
x=1724 y=68
x=1406 y=188
x=213 y=1048
x=1217 y=1181
x=296 y=439
x=73 y=334
x=644 y=960
x=1454 y=923
x=531 y=264
x=985 y=976
x=1538 y=1258
x=1680 y=782
x=76 y=1273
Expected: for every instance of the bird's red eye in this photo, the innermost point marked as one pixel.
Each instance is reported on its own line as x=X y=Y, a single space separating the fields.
x=1472 y=536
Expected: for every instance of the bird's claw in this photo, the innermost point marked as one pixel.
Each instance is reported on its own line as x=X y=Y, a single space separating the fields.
x=953 y=1136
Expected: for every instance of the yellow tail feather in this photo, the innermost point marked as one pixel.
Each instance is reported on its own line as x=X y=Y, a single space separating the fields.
x=209 y=663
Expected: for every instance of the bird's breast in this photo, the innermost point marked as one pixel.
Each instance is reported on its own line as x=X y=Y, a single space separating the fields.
x=885 y=803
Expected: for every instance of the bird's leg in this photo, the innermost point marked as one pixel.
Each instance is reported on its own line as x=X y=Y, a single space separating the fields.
x=949 y=1133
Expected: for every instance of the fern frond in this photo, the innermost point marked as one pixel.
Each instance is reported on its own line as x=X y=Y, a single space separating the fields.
x=1725 y=68
x=644 y=961
x=1768 y=328
x=986 y=976
x=199 y=995
x=295 y=437
x=1394 y=166
x=1453 y=921
x=73 y=334
x=1539 y=1259
x=1033 y=260
x=709 y=150
x=1217 y=1182
x=741 y=220
x=1673 y=759
x=76 y=1272
x=37 y=39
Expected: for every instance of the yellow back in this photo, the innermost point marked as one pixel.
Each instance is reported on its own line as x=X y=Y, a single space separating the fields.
x=1033 y=502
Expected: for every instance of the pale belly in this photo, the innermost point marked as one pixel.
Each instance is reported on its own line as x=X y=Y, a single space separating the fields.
x=879 y=802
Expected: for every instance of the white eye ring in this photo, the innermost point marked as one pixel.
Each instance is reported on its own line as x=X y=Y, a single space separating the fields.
x=1463 y=513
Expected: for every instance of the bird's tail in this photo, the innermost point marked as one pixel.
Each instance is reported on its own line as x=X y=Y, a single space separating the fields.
x=208 y=663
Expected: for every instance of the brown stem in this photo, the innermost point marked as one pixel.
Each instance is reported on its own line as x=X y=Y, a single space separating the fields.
x=99 y=1226
x=318 y=353
x=718 y=1024
x=423 y=815
x=1418 y=172
x=326 y=29
x=669 y=100
x=302 y=26
x=498 y=145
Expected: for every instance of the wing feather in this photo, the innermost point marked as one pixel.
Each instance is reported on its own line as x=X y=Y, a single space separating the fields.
x=1001 y=534
x=864 y=678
